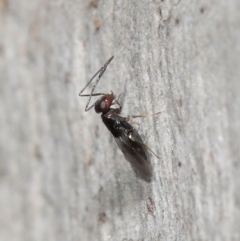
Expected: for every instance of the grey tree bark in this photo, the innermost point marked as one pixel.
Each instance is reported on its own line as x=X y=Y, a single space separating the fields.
x=62 y=176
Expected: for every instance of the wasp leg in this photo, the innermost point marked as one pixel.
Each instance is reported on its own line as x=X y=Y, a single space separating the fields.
x=116 y=101
x=147 y=147
x=129 y=117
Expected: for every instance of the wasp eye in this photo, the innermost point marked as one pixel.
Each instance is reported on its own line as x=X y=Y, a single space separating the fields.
x=103 y=105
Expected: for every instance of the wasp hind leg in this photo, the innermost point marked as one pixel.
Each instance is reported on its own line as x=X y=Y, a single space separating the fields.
x=144 y=146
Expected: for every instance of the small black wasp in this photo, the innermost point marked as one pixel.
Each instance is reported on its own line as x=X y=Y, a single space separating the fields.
x=126 y=136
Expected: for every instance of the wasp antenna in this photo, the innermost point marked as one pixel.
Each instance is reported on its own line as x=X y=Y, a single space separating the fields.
x=100 y=72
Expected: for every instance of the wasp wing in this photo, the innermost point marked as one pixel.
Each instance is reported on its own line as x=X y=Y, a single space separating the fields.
x=134 y=151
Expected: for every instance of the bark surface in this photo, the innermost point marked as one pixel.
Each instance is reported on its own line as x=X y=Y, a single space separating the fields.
x=62 y=176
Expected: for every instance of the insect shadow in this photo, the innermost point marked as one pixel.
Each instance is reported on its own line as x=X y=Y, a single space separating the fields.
x=125 y=135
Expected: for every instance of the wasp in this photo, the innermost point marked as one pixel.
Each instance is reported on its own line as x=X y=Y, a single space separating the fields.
x=125 y=135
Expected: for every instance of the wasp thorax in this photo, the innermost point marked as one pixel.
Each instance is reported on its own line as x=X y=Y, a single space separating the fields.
x=103 y=104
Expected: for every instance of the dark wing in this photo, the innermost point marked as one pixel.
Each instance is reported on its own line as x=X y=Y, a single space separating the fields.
x=135 y=152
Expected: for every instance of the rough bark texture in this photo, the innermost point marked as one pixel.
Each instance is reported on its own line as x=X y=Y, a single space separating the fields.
x=62 y=176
